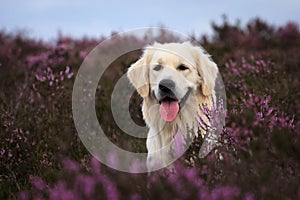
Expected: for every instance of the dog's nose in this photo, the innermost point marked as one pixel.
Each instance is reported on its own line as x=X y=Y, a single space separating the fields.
x=166 y=86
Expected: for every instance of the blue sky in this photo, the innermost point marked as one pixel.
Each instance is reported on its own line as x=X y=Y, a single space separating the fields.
x=44 y=18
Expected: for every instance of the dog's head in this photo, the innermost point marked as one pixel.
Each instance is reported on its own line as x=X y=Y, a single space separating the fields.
x=170 y=73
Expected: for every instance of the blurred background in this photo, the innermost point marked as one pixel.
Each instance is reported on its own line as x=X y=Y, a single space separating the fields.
x=47 y=18
x=256 y=45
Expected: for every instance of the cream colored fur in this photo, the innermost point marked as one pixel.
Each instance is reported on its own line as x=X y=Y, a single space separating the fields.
x=166 y=141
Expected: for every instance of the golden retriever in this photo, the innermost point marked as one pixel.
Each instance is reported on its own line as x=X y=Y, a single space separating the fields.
x=174 y=80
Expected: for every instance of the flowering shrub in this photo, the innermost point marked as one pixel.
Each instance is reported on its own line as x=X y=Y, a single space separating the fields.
x=100 y=182
x=258 y=155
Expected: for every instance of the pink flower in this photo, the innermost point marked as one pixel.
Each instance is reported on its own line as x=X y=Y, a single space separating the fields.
x=40 y=78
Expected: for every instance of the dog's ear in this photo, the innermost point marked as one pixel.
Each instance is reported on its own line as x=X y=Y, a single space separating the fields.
x=138 y=74
x=207 y=70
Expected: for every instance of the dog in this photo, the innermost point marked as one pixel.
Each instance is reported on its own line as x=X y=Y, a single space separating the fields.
x=175 y=80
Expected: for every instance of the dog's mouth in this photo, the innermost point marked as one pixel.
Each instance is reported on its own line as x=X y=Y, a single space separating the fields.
x=170 y=106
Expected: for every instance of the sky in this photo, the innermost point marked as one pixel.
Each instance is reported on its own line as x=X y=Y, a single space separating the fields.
x=44 y=19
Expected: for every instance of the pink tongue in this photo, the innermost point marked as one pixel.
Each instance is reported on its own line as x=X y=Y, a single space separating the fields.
x=169 y=110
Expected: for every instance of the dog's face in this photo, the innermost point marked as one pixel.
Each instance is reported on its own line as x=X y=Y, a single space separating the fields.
x=170 y=73
x=173 y=76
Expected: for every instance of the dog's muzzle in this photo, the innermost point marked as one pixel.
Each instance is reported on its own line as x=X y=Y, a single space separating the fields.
x=167 y=89
x=170 y=105
x=167 y=92
x=185 y=97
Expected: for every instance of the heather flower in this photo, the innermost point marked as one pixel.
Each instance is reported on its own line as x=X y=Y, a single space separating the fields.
x=71 y=165
x=257 y=152
x=225 y=193
x=249 y=196
x=38 y=183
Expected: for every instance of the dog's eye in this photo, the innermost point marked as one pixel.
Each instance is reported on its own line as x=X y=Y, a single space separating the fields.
x=157 y=67
x=182 y=67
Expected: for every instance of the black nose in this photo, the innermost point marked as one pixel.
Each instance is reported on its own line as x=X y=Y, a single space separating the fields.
x=166 y=86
